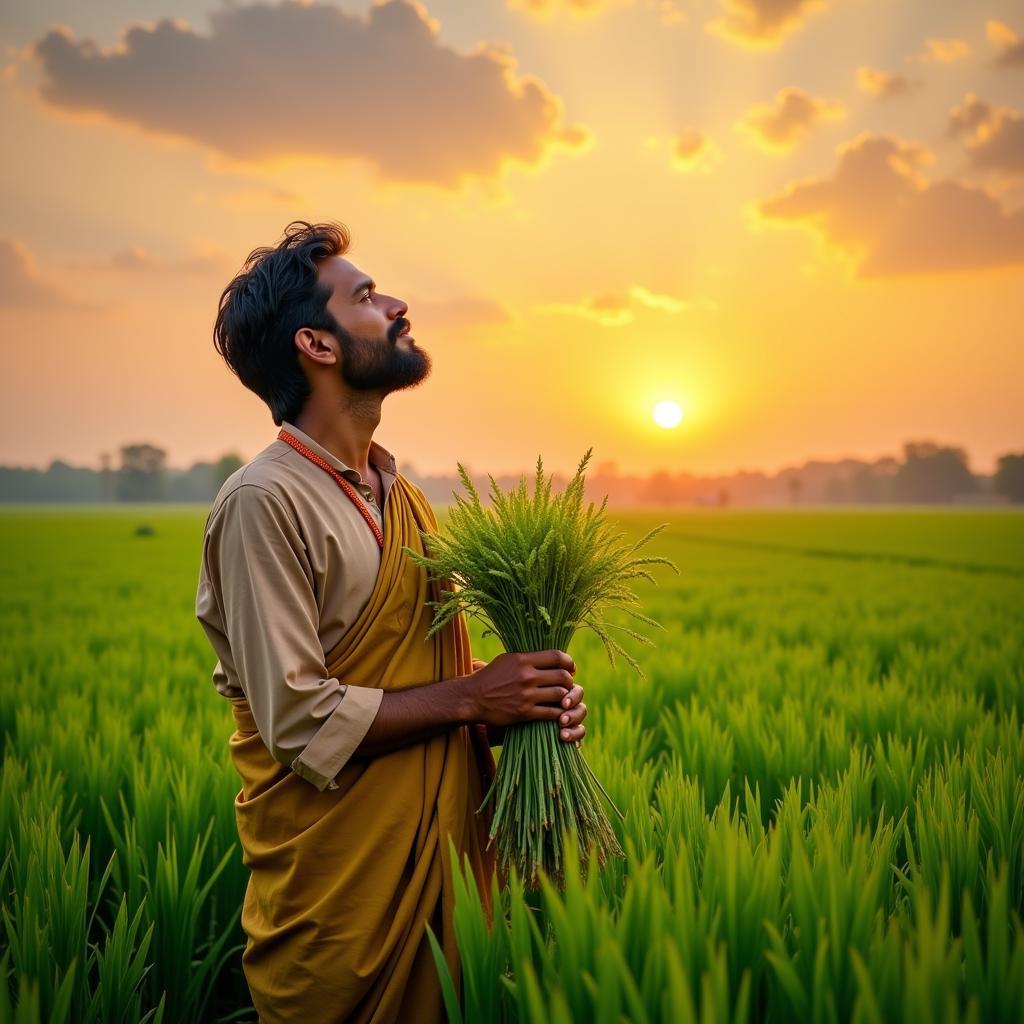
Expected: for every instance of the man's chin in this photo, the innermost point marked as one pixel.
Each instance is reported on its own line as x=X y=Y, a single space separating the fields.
x=403 y=383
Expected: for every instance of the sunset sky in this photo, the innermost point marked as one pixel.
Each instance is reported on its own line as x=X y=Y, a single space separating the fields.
x=801 y=220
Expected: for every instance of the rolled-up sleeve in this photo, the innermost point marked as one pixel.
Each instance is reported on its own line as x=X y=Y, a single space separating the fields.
x=256 y=561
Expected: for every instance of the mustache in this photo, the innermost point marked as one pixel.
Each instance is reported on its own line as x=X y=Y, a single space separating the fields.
x=397 y=327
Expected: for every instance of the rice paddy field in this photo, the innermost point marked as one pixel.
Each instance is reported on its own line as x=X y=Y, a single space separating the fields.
x=821 y=776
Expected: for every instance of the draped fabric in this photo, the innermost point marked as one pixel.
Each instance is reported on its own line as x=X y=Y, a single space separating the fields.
x=344 y=881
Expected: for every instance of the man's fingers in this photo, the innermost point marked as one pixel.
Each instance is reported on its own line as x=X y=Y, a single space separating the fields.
x=573 y=716
x=545 y=712
x=547 y=694
x=573 y=735
x=573 y=697
x=549 y=659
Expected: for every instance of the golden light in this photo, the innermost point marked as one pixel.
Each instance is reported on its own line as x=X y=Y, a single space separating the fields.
x=668 y=414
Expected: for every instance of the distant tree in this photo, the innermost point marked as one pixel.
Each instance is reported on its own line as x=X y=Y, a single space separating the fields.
x=224 y=467
x=1009 y=478
x=868 y=486
x=723 y=496
x=106 y=478
x=931 y=473
x=837 y=490
x=192 y=484
x=59 y=482
x=794 y=484
x=659 y=489
x=141 y=476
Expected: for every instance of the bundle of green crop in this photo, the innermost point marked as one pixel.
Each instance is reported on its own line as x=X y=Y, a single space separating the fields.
x=535 y=569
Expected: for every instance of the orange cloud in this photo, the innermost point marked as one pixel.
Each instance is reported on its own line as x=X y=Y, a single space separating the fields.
x=778 y=127
x=139 y=260
x=994 y=135
x=973 y=114
x=692 y=150
x=945 y=51
x=22 y=286
x=667 y=11
x=309 y=79
x=1009 y=43
x=656 y=300
x=883 y=84
x=545 y=8
x=668 y=303
x=762 y=24
x=612 y=309
x=607 y=309
x=880 y=208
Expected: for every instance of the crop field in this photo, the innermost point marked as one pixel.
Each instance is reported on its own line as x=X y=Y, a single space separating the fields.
x=821 y=776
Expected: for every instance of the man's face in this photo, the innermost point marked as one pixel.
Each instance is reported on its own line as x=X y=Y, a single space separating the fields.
x=374 y=355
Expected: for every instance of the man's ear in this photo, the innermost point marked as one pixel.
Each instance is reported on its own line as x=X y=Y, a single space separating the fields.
x=315 y=346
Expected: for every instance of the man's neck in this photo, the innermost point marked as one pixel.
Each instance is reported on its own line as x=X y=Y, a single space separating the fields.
x=346 y=432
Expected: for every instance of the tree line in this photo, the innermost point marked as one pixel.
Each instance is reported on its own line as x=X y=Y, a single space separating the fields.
x=927 y=473
x=142 y=475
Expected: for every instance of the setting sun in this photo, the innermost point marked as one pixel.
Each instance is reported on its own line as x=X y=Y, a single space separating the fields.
x=668 y=414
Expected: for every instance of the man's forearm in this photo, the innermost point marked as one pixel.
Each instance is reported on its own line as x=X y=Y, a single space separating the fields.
x=415 y=714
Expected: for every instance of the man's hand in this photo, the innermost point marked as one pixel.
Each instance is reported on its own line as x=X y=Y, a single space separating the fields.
x=572 y=710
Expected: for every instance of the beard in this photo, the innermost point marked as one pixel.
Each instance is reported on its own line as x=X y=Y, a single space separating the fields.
x=381 y=364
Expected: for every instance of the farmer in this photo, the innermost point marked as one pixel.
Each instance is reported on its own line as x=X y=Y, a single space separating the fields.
x=360 y=746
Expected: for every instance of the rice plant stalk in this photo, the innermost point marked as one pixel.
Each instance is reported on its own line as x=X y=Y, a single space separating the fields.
x=535 y=569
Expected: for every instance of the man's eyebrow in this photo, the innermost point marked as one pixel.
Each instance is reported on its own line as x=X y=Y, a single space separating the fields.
x=365 y=283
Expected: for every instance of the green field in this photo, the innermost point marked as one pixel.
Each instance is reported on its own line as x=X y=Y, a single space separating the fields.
x=821 y=774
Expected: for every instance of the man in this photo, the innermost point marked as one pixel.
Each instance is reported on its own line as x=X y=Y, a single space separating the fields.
x=360 y=746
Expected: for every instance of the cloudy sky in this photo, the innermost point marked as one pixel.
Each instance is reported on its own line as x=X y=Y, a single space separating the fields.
x=801 y=220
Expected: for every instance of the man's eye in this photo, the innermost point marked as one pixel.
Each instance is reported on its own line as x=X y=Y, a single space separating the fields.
x=366 y=296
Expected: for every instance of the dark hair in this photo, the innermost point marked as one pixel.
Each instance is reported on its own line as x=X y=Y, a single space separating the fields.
x=274 y=295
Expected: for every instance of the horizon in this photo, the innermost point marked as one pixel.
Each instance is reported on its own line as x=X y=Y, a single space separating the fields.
x=591 y=470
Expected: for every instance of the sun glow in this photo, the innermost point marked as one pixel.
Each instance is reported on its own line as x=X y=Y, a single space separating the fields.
x=668 y=414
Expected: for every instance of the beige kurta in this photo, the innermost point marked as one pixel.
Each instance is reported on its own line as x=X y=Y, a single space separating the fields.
x=288 y=564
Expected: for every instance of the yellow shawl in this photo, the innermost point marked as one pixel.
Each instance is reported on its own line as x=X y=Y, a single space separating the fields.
x=344 y=881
